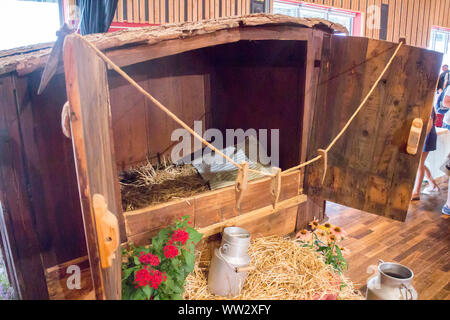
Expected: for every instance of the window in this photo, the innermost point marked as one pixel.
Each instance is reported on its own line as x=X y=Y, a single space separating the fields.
x=286 y=9
x=28 y=22
x=302 y=10
x=439 y=40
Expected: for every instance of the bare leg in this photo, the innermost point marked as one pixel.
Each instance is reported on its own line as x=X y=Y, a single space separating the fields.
x=430 y=177
x=419 y=177
x=448 y=194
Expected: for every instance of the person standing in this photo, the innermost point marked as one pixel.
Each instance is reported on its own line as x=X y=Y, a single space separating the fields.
x=430 y=145
x=446 y=165
x=443 y=79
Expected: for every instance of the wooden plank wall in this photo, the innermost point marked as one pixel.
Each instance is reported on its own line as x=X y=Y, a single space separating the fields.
x=168 y=11
x=134 y=118
x=410 y=19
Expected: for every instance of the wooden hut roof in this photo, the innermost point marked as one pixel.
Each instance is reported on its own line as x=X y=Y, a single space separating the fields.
x=27 y=59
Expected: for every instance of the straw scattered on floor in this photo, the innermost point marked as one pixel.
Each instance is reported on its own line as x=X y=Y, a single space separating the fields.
x=284 y=271
x=146 y=184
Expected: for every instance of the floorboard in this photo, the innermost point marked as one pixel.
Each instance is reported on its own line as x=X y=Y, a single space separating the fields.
x=421 y=242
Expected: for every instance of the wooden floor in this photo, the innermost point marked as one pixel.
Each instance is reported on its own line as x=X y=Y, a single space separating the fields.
x=422 y=243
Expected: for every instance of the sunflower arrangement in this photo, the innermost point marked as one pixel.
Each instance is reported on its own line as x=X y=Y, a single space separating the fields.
x=325 y=239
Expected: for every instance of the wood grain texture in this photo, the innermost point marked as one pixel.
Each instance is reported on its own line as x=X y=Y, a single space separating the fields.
x=48 y=156
x=312 y=208
x=188 y=83
x=29 y=59
x=309 y=88
x=17 y=210
x=141 y=130
x=59 y=276
x=207 y=208
x=410 y=19
x=369 y=168
x=88 y=94
x=419 y=15
x=279 y=66
x=421 y=243
x=145 y=52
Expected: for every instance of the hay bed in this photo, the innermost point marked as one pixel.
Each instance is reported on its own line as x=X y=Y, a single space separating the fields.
x=146 y=184
x=284 y=271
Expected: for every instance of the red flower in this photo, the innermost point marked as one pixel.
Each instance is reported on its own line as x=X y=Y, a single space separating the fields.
x=170 y=251
x=156 y=278
x=180 y=235
x=142 y=277
x=149 y=258
x=153 y=278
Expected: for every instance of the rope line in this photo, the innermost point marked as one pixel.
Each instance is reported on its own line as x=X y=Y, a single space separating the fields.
x=353 y=115
x=206 y=143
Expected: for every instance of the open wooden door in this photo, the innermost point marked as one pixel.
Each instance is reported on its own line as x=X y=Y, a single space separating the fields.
x=369 y=168
x=88 y=95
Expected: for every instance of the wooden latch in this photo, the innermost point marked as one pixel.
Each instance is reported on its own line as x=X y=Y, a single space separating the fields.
x=107 y=231
x=241 y=183
x=275 y=186
x=414 y=136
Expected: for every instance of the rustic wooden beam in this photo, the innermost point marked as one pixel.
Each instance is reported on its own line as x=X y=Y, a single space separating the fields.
x=207 y=208
x=149 y=51
x=252 y=216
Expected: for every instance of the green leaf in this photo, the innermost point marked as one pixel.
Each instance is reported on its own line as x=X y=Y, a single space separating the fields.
x=194 y=235
x=138 y=295
x=147 y=291
x=189 y=259
x=127 y=273
x=164 y=233
x=169 y=284
x=174 y=262
x=177 y=297
x=126 y=292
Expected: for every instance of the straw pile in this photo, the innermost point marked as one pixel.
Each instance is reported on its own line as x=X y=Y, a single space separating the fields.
x=284 y=271
x=146 y=184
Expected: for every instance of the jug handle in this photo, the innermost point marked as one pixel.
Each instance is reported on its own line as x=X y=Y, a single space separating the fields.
x=407 y=292
x=235 y=269
x=224 y=259
x=224 y=248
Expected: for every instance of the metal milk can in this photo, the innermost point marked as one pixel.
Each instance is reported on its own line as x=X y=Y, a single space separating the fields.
x=230 y=263
x=393 y=282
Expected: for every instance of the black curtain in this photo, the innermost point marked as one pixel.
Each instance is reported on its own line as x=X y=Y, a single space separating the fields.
x=96 y=15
